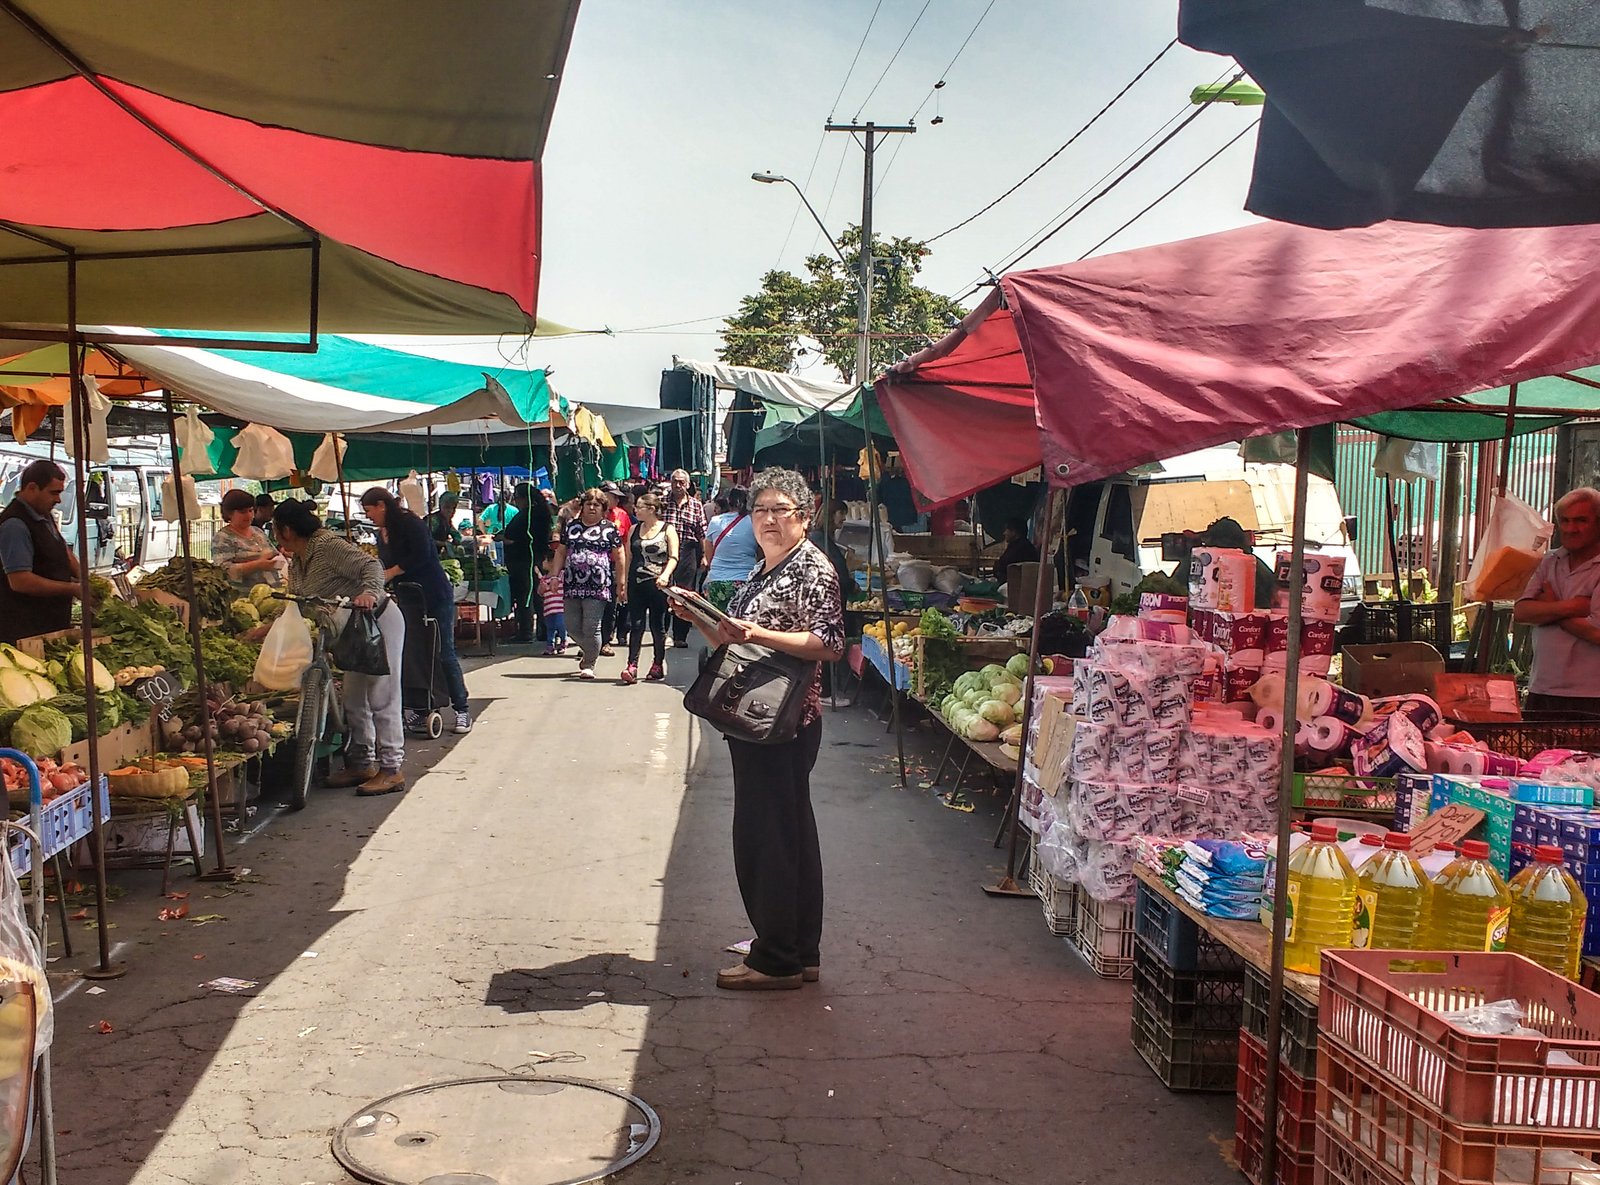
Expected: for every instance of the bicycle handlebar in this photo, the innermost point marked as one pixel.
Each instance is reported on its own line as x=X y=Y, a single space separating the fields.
x=325 y=602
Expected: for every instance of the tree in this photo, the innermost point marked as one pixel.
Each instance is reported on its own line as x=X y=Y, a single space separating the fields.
x=791 y=316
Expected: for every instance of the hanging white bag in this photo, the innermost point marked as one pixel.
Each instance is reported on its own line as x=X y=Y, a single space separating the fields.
x=411 y=494
x=169 y=500
x=99 y=409
x=326 y=462
x=1513 y=544
x=286 y=653
x=265 y=454
x=194 y=443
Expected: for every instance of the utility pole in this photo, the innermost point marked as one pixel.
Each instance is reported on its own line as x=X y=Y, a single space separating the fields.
x=869 y=133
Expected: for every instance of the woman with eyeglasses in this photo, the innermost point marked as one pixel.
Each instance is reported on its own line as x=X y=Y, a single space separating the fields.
x=592 y=557
x=789 y=603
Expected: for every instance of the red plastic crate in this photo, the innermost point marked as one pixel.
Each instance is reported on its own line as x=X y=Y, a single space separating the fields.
x=1384 y=1018
x=1297 y=1117
x=1371 y=1131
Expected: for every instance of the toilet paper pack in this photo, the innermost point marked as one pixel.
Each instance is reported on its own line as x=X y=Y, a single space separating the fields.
x=1222 y=578
x=1321 y=583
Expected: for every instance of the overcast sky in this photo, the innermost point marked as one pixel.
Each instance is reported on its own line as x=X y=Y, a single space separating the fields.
x=668 y=106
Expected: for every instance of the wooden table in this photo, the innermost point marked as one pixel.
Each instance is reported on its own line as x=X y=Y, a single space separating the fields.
x=1251 y=941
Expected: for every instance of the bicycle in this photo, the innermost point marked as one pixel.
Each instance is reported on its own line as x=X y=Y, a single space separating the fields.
x=321 y=712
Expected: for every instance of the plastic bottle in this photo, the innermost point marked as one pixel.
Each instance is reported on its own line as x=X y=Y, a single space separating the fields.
x=1437 y=860
x=1078 y=604
x=1392 y=896
x=1547 y=913
x=1322 y=893
x=1471 y=908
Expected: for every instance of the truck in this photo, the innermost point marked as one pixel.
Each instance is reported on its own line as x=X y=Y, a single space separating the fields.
x=1118 y=525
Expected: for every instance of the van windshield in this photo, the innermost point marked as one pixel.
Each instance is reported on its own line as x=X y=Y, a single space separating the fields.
x=11 y=471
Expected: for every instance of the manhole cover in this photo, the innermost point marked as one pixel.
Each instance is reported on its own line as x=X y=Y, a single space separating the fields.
x=497 y=1131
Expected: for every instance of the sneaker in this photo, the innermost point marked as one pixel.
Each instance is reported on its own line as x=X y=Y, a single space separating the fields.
x=413 y=720
x=586 y=672
x=630 y=674
x=463 y=722
x=656 y=673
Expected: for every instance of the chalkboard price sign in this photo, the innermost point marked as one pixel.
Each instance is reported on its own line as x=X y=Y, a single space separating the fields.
x=160 y=688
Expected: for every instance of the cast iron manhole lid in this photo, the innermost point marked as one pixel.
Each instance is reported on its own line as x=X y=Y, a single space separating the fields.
x=504 y=1130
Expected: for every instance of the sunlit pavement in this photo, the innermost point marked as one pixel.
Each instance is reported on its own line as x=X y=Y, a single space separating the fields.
x=559 y=883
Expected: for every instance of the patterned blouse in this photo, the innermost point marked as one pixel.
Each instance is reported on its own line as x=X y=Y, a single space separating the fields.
x=589 y=551
x=799 y=595
x=228 y=547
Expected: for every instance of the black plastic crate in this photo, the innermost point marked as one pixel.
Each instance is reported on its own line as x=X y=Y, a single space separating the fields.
x=1298 y=1044
x=1197 y=1000
x=1184 y=1058
x=1375 y=623
x=1538 y=731
x=1174 y=939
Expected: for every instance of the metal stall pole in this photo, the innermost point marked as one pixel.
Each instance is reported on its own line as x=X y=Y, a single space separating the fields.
x=105 y=969
x=1455 y=468
x=1045 y=585
x=202 y=695
x=1280 y=885
x=1505 y=441
x=875 y=545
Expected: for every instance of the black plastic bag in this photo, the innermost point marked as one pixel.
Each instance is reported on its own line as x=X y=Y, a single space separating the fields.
x=359 y=647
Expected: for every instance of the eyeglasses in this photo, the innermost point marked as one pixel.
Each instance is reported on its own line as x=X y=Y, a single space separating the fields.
x=774 y=511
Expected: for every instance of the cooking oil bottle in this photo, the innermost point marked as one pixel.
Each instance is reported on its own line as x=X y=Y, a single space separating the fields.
x=1322 y=892
x=1471 y=907
x=1392 y=893
x=1547 y=913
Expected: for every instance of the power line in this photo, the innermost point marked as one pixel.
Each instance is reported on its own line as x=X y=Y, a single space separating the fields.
x=1075 y=135
x=892 y=59
x=1185 y=179
x=945 y=73
x=850 y=72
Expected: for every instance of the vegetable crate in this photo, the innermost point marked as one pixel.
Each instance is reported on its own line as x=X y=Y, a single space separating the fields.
x=65 y=820
x=1104 y=937
x=1297 y=1118
x=1408 y=1096
x=1363 y=797
x=1298 y=1033
x=1058 y=898
x=1186 y=1023
x=1173 y=938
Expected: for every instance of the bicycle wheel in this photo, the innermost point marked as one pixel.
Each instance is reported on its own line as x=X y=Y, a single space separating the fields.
x=308 y=733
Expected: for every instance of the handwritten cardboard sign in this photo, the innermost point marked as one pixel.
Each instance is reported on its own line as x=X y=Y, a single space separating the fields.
x=1449 y=824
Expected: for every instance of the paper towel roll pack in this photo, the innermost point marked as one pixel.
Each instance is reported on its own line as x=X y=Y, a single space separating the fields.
x=1222 y=578
x=1469 y=760
x=1322 y=583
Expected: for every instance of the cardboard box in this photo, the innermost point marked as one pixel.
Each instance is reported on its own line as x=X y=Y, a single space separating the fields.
x=1477 y=699
x=1392 y=669
x=142 y=839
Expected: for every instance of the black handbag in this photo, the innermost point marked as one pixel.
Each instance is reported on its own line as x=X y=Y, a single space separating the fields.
x=359 y=649
x=750 y=693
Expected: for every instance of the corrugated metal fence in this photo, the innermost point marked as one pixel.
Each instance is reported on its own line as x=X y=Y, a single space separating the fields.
x=1417 y=503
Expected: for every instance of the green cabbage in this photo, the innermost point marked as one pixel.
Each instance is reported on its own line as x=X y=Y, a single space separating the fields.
x=1007 y=692
x=979 y=729
x=1017 y=665
x=990 y=673
x=997 y=712
x=41 y=731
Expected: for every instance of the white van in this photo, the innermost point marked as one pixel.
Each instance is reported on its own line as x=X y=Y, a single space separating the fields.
x=1118 y=523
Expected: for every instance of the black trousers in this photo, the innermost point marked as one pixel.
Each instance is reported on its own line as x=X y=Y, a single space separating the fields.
x=685 y=575
x=1565 y=705
x=524 y=601
x=776 y=856
x=647 y=606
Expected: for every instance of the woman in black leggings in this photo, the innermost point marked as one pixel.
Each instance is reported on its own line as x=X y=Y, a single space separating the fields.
x=652 y=559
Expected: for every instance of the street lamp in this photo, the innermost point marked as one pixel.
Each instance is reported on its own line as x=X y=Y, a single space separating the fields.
x=779 y=179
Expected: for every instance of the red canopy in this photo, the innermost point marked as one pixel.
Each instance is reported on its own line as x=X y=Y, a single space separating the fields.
x=1150 y=353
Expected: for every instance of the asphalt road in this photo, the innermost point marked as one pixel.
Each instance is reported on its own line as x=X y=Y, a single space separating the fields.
x=560 y=882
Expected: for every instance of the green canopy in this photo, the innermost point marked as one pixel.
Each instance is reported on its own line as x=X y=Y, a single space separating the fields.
x=1553 y=392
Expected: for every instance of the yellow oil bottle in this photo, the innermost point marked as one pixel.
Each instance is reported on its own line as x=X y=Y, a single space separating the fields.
x=1471 y=907
x=1547 y=913
x=1322 y=892
x=1392 y=896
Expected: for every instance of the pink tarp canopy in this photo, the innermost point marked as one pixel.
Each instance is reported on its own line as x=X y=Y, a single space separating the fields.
x=1147 y=354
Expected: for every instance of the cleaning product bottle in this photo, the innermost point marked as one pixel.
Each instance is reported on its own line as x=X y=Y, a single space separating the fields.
x=1471 y=908
x=1322 y=892
x=1392 y=895
x=1547 y=913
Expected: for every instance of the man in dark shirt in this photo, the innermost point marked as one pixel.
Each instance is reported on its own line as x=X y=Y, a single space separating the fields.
x=41 y=573
x=1019 y=549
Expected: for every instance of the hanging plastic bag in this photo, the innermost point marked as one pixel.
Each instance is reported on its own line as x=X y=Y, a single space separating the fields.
x=27 y=1020
x=99 y=409
x=286 y=653
x=265 y=454
x=194 y=443
x=169 y=500
x=327 y=461
x=1407 y=459
x=1512 y=546
x=411 y=494
x=358 y=648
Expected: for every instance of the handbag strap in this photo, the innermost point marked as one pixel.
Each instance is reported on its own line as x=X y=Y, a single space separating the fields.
x=723 y=534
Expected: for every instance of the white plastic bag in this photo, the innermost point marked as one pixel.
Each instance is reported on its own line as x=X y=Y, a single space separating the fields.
x=169 y=500
x=1407 y=459
x=1512 y=546
x=325 y=462
x=194 y=443
x=265 y=454
x=99 y=409
x=286 y=653
x=411 y=494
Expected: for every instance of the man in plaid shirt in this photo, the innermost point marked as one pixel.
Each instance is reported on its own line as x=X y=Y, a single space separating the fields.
x=686 y=514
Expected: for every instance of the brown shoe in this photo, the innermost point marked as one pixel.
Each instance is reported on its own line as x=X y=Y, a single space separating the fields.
x=744 y=978
x=352 y=776
x=810 y=974
x=389 y=781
